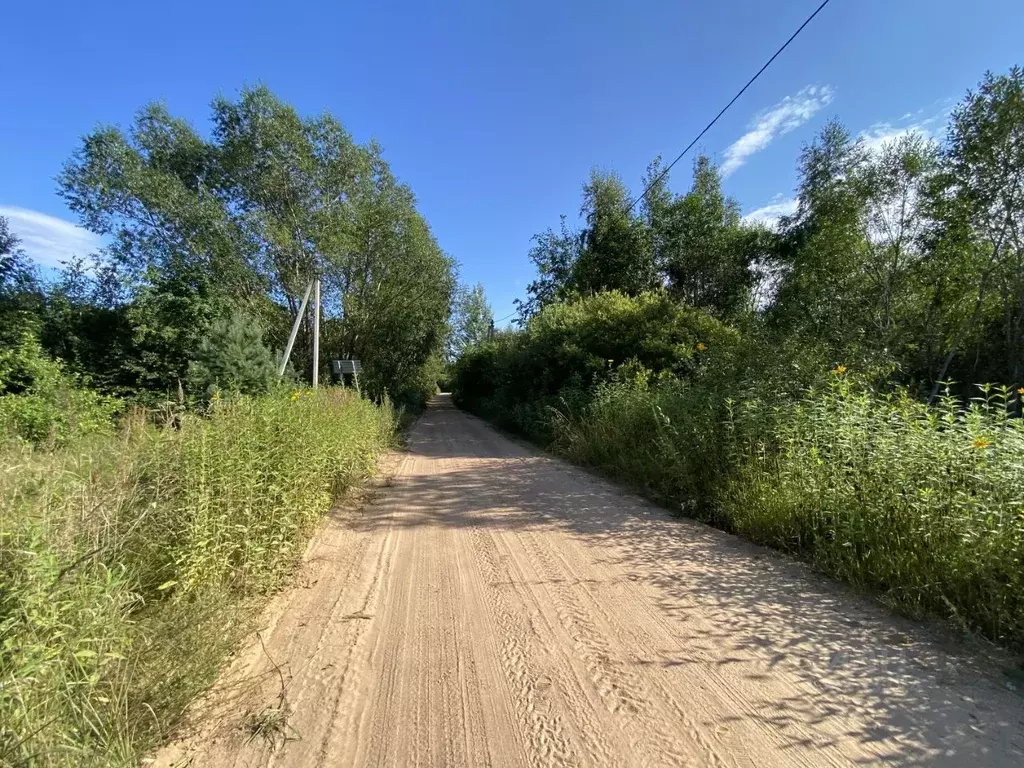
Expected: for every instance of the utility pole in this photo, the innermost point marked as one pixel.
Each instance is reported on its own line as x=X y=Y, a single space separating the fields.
x=316 y=332
x=295 y=328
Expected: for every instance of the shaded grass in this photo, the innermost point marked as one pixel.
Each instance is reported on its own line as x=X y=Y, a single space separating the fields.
x=130 y=565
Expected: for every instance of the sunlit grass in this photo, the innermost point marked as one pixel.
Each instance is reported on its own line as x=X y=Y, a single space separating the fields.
x=130 y=565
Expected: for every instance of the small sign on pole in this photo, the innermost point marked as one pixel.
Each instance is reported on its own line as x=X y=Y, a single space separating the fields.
x=350 y=367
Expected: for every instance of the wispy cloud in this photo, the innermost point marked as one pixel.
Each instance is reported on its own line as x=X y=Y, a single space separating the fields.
x=47 y=240
x=921 y=123
x=771 y=213
x=880 y=134
x=788 y=114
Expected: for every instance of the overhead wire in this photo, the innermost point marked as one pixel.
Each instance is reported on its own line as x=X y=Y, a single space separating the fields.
x=716 y=118
x=732 y=101
x=506 y=317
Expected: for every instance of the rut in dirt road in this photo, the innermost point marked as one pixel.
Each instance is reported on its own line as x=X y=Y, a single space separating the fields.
x=497 y=607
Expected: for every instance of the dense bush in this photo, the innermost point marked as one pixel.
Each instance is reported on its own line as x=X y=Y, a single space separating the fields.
x=130 y=563
x=41 y=403
x=567 y=348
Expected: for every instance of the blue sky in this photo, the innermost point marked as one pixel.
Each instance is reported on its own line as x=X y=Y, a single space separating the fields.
x=494 y=112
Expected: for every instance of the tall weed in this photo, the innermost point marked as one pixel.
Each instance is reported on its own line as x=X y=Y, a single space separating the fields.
x=923 y=504
x=130 y=564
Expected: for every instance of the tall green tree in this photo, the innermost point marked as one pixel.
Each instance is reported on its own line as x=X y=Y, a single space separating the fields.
x=894 y=286
x=612 y=251
x=291 y=179
x=825 y=243
x=701 y=246
x=979 y=206
x=395 y=286
x=472 y=320
x=615 y=252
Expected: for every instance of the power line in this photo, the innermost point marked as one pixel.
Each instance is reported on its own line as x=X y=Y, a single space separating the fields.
x=726 y=107
x=506 y=317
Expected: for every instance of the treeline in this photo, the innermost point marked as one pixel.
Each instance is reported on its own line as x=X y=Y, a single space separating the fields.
x=908 y=258
x=211 y=240
x=812 y=385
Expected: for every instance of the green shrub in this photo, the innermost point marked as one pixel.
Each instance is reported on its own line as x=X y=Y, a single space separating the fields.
x=233 y=359
x=41 y=403
x=568 y=348
x=130 y=564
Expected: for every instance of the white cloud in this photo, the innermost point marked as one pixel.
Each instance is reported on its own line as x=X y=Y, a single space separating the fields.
x=788 y=114
x=48 y=240
x=880 y=134
x=928 y=126
x=771 y=213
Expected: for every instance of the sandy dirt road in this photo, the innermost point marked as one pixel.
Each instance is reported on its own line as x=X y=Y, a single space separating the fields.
x=493 y=606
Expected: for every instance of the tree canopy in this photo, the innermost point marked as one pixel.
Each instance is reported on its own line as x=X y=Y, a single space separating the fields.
x=202 y=227
x=907 y=258
x=472 y=320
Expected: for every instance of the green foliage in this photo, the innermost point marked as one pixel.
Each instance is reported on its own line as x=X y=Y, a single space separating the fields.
x=912 y=255
x=20 y=292
x=920 y=504
x=42 y=404
x=615 y=250
x=553 y=255
x=825 y=243
x=978 y=204
x=397 y=296
x=232 y=359
x=240 y=222
x=568 y=347
x=700 y=245
x=131 y=564
x=472 y=320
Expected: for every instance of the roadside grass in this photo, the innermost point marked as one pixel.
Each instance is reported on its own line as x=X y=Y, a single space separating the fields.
x=923 y=505
x=131 y=564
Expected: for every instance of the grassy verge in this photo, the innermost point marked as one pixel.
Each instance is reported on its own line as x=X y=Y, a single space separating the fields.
x=129 y=564
x=923 y=505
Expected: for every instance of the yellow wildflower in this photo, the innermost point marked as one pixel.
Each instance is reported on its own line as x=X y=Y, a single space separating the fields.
x=981 y=443
x=296 y=396
x=701 y=346
x=1020 y=390
x=839 y=370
